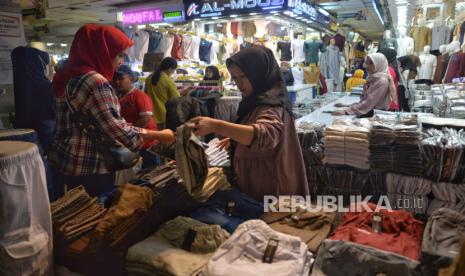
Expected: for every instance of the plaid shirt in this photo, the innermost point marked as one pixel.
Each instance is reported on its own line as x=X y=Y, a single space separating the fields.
x=73 y=151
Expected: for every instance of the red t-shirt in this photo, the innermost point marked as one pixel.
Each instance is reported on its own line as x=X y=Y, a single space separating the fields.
x=134 y=104
x=394 y=106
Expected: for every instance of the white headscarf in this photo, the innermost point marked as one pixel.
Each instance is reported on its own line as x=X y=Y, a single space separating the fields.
x=382 y=71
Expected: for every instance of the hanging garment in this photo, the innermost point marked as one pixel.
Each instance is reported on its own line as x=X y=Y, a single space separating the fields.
x=324 y=64
x=154 y=40
x=274 y=29
x=456 y=67
x=441 y=67
x=422 y=37
x=235 y=28
x=428 y=63
x=440 y=36
x=205 y=50
x=248 y=28
x=195 y=49
x=312 y=50
x=311 y=75
x=140 y=48
x=298 y=51
x=187 y=47
x=334 y=63
x=165 y=45
x=176 y=50
x=214 y=52
x=285 y=48
x=403 y=46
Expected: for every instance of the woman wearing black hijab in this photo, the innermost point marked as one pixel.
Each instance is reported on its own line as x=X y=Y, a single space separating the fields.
x=34 y=99
x=265 y=150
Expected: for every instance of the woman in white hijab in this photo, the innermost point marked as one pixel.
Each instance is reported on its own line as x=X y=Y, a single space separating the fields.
x=378 y=92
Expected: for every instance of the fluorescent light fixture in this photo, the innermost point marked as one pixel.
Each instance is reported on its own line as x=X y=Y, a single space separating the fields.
x=233 y=16
x=253 y=13
x=323 y=11
x=50 y=44
x=197 y=19
x=377 y=12
x=215 y=17
x=274 y=11
x=63 y=45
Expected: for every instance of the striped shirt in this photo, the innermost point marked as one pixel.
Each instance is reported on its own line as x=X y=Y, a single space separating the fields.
x=73 y=151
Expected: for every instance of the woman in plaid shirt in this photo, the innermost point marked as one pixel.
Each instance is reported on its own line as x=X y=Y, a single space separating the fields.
x=84 y=85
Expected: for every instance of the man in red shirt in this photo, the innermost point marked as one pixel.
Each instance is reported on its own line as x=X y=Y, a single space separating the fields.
x=136 y=108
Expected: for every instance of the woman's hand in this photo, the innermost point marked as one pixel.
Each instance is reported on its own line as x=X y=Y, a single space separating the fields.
x=339 y=112
x=203 y=125
x=224 y=144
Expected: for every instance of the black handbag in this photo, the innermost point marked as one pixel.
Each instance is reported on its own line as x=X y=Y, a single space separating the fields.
x=117 y=156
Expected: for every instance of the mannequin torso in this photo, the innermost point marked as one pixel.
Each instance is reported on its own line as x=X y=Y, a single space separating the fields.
x=428 y=64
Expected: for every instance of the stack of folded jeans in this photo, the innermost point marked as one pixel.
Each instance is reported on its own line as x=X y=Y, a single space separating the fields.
x=75 y=214
x=443 y=154
x=312 y=227
x=442 y=238
x=217 y=157
x=344 y=258
x=216 y=181
x=243 y=253
x=396 y=231
x=311 y=141
x=181 y=246
x=228 y=209
x=395 y=148
x=447 y=195
x=408 y=192
x=347 y=145
x=344 y=182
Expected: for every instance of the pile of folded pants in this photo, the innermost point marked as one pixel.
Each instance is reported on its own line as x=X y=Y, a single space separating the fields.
x=344 y=182
x=399 y=231
x=243 y=253
x=226 y=108
x=217 y=157
x=191 y=159
x=228 y=209
x=216 y=181
x=395 y=148
x=75 y=214
x=408 y=192
x=181 y=246
x=378 y=185
x=157 y=176
x=311 y=142
x=344 y=258
x=443 y=154
x=312 y=227
x=447 y=195
x=347 y=145
x=442 y=238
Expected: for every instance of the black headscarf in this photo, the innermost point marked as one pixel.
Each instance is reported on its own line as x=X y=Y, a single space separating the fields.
x=33 y=92
x=216 y=73
x=391 y=56
x=261 y=69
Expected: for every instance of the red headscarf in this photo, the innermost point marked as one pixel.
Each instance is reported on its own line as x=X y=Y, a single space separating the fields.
x=94 y=48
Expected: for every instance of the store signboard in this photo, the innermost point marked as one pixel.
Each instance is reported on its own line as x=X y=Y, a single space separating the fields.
x=204 y=9
x=152 y=15
x=143 y=16
x=304 y=8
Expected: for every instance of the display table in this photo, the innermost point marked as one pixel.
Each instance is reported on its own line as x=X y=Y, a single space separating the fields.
x=320 y=116
x=300 y=92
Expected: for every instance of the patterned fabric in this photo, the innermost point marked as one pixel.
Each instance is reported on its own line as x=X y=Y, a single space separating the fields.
x=73 y=151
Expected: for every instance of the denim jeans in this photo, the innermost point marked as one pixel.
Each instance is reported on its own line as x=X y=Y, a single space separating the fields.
x=215 y=210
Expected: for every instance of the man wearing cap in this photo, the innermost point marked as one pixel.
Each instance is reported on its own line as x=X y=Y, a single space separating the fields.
x=136 y=108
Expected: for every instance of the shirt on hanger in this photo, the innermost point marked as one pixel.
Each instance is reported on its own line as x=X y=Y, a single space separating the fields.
x=140 y=48
x=261 y=30
x=285 y=48
x=205 y=50
x=298 y=51
x=298 y=74
x=312 y=49
x=214 y=52
x=187 y=47
x=154 y=40
x=428 y=62
x=195 y=49
x=440 y=36
x=165 y=45
x=274 y=29
x=403 y=44
x=422 y=37
x=176 y=50
x=248 y=28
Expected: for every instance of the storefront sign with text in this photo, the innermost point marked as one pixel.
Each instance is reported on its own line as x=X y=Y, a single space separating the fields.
x=202 y=9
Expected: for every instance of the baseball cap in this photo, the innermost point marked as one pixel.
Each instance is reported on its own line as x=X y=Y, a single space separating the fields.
x=126 y=70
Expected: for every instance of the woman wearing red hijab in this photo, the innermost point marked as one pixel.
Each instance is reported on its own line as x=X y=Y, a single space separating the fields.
x=83 y=85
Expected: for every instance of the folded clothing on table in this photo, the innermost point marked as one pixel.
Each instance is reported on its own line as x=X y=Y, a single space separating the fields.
x=447 y=195
x=408 y=192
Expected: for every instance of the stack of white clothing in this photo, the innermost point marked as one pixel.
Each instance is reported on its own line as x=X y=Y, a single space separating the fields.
x=217 y=157
x=347 y=145
x=243 y=252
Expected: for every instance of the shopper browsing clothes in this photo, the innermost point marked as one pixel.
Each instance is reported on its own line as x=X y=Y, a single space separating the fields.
x=84 y=94
x=287 y=73
x=378 y=92
x=161 y=88
x=136 y=108
x=264 y=146
x=212 y=74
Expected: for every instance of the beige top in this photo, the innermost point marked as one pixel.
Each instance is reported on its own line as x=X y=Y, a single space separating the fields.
x=273 y=164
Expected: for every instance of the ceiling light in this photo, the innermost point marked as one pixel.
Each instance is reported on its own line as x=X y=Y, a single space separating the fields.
x=234 y=15
x=64 y=45
x=50 y=44
x=253 y=13
x=215 y=17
